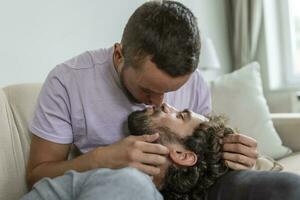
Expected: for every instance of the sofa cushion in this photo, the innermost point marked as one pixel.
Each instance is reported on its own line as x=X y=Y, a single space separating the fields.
x=12 y=162
x=291 y=163
x=239 y=96
x=22 y=99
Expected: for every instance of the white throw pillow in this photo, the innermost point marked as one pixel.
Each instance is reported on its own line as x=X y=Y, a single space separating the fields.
x=239 y=96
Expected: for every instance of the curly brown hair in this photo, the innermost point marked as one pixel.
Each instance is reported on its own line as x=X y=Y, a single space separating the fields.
x=192 y=183
x=189 y=183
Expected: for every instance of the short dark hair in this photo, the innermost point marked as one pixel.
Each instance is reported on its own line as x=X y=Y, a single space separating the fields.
x=167 y=31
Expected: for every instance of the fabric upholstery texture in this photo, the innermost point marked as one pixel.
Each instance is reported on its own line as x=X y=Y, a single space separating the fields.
x=12 y=161
x=291 y=163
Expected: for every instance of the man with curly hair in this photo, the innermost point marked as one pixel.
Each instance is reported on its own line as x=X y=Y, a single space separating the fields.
x=195 y=161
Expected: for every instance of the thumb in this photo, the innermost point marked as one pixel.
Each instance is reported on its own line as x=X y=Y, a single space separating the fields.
x=149 y=138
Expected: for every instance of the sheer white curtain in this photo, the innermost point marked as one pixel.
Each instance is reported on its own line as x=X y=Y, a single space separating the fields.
x=245 y=18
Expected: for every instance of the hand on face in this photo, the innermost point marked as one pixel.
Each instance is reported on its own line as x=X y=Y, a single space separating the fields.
x=138 y=152
x=240 y=151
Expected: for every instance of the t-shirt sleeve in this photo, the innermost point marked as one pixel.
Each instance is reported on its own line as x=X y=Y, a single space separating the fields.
x=51 y=119
x=204 y=96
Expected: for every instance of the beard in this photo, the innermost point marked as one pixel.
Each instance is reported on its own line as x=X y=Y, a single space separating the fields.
x=140 y=123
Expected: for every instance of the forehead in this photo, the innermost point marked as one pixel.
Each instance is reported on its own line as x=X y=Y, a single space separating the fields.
x=156 y=80
x=199 y=118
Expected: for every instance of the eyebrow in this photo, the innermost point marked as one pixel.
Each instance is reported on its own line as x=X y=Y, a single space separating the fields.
x=188 y=112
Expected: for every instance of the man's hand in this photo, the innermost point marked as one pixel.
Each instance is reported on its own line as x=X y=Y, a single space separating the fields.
x=134 y=151
x=240 y=151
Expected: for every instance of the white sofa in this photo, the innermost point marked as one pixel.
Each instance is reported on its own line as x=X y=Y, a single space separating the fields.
x=16 y=109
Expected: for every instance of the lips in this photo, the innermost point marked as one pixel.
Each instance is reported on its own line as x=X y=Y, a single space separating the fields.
x=149 y=110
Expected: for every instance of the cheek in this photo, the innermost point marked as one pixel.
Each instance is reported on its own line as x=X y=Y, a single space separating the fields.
x=170 y=122
x=141 y=96
x=131 y=86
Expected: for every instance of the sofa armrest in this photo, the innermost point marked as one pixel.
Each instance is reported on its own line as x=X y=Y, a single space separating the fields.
x=288 y=127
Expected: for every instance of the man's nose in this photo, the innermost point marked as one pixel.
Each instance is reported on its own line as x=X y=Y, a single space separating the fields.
x=167 y=108
x=156 y=100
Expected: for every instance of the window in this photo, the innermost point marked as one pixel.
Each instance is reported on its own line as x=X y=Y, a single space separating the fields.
x=295 y=33
x=291 y=17
x=280 y=47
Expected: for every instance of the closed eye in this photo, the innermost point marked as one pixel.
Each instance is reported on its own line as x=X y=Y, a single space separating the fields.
x=187 y=114
x=180 y=116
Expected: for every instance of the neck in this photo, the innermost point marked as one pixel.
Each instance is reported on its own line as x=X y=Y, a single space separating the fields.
x=158 y=180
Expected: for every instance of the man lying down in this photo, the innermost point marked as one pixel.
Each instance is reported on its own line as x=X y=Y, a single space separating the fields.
x=195 y=158
x=194 y=164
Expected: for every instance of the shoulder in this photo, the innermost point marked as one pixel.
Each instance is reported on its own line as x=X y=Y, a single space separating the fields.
x=197 y=76
x=78 y=65
x=89 y=59
x=196 y=81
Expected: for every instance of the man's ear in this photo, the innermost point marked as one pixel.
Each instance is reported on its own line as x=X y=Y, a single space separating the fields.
x=118 y=56
x=183 y=158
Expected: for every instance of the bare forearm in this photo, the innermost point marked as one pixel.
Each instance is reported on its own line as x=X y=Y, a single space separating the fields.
x=127 y=152
x=82 y=163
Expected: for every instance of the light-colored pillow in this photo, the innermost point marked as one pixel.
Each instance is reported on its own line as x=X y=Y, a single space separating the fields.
x=239 y=96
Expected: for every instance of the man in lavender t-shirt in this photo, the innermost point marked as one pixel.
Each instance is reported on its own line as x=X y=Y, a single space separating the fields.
x=85 y=101
x=89 y=105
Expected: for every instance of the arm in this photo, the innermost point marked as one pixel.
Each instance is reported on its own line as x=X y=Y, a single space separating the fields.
x=48 y=159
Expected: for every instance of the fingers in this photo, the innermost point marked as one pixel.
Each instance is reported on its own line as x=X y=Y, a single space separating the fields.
x=148 y=169
x=144 y=143
x=240 y=151
x=238 y=158
x=151 y=159
x=152 y=148
x=235 y=166
x=147 y=153
x=240 y=138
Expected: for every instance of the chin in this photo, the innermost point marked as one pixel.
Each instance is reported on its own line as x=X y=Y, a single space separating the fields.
x=139 y=123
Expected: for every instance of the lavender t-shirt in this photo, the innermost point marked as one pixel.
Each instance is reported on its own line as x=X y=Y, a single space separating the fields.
x=82 y=102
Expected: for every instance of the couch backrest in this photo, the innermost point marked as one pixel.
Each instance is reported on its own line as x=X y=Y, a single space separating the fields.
x=17 y=103
x=22 y=99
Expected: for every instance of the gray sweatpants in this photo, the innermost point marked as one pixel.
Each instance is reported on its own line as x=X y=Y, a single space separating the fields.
x=256 y=185
x=106 y=184
x=131 y=184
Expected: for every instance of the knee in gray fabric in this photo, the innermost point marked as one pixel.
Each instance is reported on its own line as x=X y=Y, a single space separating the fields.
x=288 y=186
